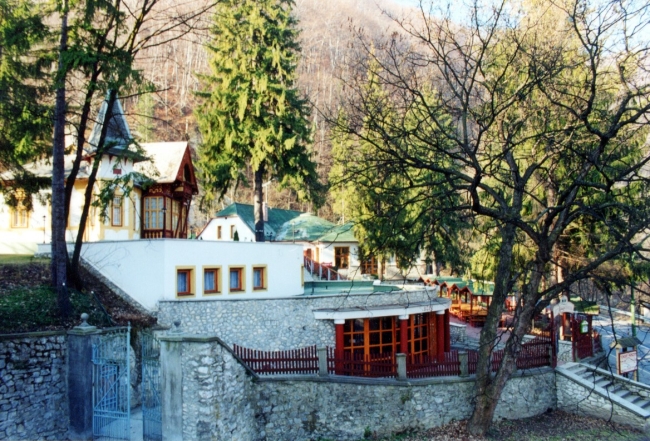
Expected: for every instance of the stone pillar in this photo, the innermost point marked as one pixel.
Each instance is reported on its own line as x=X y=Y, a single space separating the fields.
x=171 y=387
x=464 y=363
x=80 y=380
x=401 y=366
x=322 y=361
x=440 y=335
x=404 y=334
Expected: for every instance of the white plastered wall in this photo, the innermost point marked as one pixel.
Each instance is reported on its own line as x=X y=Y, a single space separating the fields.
x=147 y=269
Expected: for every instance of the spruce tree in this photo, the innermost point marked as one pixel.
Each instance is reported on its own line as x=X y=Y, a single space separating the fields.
x=252 y=114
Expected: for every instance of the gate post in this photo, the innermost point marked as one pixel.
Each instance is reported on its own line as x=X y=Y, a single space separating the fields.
x=80 y=380
x=171 y=387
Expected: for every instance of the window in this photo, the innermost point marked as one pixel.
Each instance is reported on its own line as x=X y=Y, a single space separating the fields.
x=419 y=333
x=259 y=278
x=236 y=279
x=382 y=335
x=176 y=210
x=211 y=282
x=342 y=257
x=219 y=232
x=232 y=231
x=184 y=282
x=153 y=214
x=19 y=216
x=116 y=211
x=369 y=265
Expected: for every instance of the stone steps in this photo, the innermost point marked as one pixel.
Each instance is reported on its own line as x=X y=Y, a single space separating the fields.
x=600 y=379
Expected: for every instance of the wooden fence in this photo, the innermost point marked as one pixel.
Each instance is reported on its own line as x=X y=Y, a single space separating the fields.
x=292 y=361
x=424 y=366
x=304 y=361
x=361 y=365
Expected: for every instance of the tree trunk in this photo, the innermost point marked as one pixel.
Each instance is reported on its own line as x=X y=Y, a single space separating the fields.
x=486 y=399
x=258 y=206
x=489 y=389
x=59 y=250
x=76 y=255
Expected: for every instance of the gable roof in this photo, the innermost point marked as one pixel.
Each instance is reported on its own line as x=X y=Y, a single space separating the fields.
x=168 y=160
x=276 y=216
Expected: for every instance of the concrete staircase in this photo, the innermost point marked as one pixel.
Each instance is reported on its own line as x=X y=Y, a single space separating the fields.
x=592 y=390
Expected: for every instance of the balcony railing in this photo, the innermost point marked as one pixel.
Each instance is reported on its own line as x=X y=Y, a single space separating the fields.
x=322 y=270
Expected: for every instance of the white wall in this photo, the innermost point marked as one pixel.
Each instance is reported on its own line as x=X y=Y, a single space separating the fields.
x=210 y=231
x=146 y=269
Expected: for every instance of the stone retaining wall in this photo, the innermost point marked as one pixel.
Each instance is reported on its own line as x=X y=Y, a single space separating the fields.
x=222 y=400
x=273 y=324
x=346 y=410
x=577 y=398
x=33 y=389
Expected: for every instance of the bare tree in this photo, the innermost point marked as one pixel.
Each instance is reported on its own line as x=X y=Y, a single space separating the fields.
x=531 y=122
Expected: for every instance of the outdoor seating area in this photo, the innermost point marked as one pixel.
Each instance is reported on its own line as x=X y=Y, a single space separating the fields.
x=469 y=299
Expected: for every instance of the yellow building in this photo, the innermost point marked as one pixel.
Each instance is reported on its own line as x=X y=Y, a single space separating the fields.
x=150 y=210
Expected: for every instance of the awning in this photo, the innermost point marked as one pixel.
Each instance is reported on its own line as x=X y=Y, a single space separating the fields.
x=438 y=305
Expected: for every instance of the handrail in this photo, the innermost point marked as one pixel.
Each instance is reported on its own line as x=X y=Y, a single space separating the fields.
x=322 y=270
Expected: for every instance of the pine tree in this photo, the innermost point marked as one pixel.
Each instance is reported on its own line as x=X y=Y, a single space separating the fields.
x=252 y=114
x=25 y=123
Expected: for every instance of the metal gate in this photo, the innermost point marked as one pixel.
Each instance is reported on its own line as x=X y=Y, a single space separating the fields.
x=151 y=406
x=112 y=385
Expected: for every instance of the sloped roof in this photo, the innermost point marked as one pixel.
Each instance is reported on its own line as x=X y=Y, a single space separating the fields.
x=277 y=216
x=43 y=168
x=305 y=227
x=118 y=133
x=166 y=157
x=118 y=141
x=339 y=233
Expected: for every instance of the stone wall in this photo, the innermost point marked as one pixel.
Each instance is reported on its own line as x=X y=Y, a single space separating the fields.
x=222 y=400
x=564 y=352
x=273 y=324
x=458 y=333
x=345 y=409
x=584 y=399
x=33 y=390
x=215 y=392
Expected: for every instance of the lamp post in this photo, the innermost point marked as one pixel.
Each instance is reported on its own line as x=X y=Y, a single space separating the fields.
x=44 y=235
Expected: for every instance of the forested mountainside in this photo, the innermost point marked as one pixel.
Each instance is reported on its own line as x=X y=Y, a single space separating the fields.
x=328 y=45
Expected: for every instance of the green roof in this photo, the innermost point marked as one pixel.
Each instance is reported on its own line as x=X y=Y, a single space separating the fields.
x=290 y=225
x=305 y=227
x=339 y=233
x=277 y=216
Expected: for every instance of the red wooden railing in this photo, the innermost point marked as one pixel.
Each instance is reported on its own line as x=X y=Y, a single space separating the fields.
x=535 y=353
x=322 y=270
x=424 y=366
x=361 y=365
x=292 y=361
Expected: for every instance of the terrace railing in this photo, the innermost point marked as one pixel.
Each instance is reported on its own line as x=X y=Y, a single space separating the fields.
x=305 y=361
x=290 y=362
x=322 y=270
x=361 y=365
x=424 y=366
